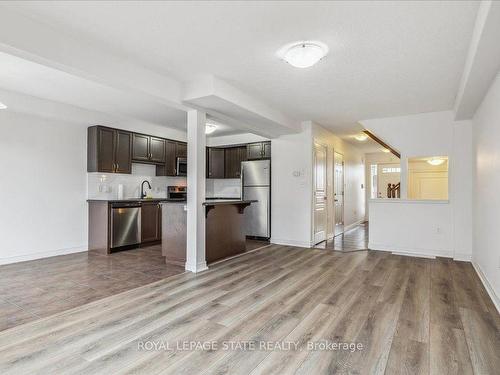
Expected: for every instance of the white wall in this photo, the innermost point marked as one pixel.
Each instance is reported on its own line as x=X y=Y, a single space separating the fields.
x=421 y=228
x=43 y=167
x=43 y=163
x=486 y=131
x=436 y=134
x=291 y=188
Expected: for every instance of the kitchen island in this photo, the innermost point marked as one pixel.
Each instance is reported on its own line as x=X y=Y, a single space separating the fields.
x=224 y=234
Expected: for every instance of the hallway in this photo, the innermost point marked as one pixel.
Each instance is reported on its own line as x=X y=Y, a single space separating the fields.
x=354 y=239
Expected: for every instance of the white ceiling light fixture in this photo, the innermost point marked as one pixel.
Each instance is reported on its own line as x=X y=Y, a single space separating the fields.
x=361 y=137
x=210 y=128
x=3 y=106
x=303 y=54
x=435 y=161
x=386 y=150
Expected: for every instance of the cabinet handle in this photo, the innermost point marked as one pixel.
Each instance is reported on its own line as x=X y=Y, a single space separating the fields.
x=117 y=166
x=114 y=167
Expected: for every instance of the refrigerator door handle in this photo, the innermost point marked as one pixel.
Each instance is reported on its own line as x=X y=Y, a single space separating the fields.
x=241 y=181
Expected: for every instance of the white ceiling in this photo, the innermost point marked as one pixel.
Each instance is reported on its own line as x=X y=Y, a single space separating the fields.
x=386 y=58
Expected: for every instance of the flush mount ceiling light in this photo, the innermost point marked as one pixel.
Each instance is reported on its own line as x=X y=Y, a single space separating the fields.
x=386 y=150
x=435 y=161
x=303 y=54
x=2 y=106
x=210 y=128
x=361 y=137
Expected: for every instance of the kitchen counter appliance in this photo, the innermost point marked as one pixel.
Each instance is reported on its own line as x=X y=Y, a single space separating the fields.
x=177 y=193
x=256 y=185
x=125 y=224
x=181 y=169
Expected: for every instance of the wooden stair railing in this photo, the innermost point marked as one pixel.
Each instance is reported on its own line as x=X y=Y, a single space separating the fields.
x=394 y=190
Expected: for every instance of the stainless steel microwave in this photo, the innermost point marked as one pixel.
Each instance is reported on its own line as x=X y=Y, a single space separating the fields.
x=181 y=169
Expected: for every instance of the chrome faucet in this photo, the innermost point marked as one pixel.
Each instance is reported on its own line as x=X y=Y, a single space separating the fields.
x=143 y=194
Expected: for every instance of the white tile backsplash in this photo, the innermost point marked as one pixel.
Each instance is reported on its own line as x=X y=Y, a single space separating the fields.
x=223 y=188
x=105 y=185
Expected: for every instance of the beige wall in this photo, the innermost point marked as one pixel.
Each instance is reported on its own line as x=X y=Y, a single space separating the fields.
x=427 y=181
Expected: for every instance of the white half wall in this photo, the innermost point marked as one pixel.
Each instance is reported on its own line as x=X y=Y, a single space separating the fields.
x=486 y=130
x=436 y=134
x=419 y=228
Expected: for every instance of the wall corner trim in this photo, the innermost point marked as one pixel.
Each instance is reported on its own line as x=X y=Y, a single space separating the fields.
x=195 y=268
x=487 y=285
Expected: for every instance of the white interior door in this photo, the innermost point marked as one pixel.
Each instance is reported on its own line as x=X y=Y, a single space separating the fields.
x=338 y=192
x=320 y=208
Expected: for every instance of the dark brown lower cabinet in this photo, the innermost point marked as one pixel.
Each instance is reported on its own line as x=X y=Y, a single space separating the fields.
x=100 y=220
x=150 y=222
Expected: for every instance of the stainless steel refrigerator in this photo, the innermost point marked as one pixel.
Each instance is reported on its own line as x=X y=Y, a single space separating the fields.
x=256 y=184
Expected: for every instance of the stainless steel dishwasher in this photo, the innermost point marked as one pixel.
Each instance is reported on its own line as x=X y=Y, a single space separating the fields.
x=125 y=224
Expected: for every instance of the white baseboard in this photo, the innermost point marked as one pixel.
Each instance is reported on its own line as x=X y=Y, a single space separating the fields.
x=462 y=257
x=278 y=241
x=42 y=254
x=413 y=255
x=487 y=285
x=422 y=253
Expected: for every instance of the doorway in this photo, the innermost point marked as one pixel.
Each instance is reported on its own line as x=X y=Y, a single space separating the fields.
x=338 y=193
x=320 y=199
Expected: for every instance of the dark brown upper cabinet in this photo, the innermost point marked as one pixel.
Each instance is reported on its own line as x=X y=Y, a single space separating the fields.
x=123 y=152
x=156 y=150
x=150 y=222
x=140 y=147
x=215 y=162
x=181 y=150
x=108 y=150
x=147 y=149
x=172 y=149
x=259 y=150
x=233 y=158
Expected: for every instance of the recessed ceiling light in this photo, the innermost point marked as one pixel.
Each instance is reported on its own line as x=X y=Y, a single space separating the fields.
x=303 y=54
x=386 y=150
x=435 y=161
x=2 y=106
x=361 y=137
x=210 y=128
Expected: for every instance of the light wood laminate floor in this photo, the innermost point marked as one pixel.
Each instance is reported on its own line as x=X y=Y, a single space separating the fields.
x=411 y=315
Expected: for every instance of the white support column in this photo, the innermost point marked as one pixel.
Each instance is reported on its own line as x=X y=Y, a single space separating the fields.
x=196 y=169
